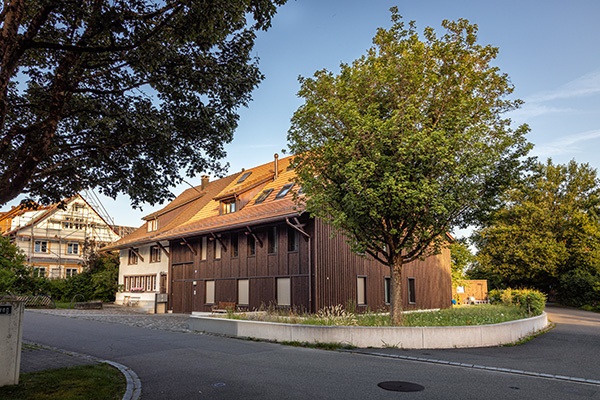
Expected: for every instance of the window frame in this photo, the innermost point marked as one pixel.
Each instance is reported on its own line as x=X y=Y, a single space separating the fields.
x=359 y=292
x=155 y=254
x=244 y=176
x=141 y=283
x=132 y=258
x=228 y=206
x=69 y=272
x=285 y=189
x=411 y=294
x=209 y=285
x=293 y=242
x=234 y=243
x=204 y=248
x=43 y=247
x=263 y=196
x=284 y=291
x=152 y=225
x=251 y=246
x=241 y=290
x=272 y=239
x=70 y=246
x=217 y=250
x=387 y=289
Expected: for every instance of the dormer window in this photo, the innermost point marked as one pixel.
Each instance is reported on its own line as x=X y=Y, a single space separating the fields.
x=152 y=225
x=228 y=206
x=284 y=190
x=263 y=196
x=244 y=177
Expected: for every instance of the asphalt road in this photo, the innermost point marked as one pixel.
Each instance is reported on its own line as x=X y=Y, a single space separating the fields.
x=173 y=365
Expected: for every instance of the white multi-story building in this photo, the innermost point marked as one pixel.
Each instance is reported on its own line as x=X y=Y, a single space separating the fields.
x=53 y=237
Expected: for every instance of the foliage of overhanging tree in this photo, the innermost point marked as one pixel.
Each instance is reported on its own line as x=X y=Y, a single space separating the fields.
x=121 y=95
x=407 y=142
x=546 y=235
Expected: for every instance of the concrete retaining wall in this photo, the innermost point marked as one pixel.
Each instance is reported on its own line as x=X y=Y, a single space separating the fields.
x=359 y=336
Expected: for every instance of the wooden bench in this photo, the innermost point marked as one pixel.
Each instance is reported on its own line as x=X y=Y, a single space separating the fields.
x=89 y=305
x=223 y=307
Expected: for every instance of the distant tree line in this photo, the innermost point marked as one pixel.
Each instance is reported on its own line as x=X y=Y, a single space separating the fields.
x=545 y=235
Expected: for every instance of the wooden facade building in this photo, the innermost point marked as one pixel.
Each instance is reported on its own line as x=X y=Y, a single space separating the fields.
x=243 y=239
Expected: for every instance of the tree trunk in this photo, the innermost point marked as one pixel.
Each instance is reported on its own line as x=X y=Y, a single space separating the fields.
x=396 y=300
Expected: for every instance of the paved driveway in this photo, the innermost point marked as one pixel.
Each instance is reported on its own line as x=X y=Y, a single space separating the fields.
x=572 y=348
x=180 y=365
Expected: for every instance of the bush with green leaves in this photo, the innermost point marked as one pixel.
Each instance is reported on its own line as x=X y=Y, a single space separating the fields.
x=579 y=288
x=16 y=277
x=99 y=279
x=532 y=301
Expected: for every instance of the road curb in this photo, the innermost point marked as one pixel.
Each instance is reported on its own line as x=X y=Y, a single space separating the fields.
x=134 y=385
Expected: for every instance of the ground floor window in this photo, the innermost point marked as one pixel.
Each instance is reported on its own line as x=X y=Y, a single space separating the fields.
x=70 y=272
x=284 y=291
x=39 y=271
x=243 y=291
x=210 y=292
x=140 y=283
x=387 y=286
x=361 y=290
x=412 y=298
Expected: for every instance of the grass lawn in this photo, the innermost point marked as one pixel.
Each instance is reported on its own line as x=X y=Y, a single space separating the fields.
x=483 y=314
x=88 y=382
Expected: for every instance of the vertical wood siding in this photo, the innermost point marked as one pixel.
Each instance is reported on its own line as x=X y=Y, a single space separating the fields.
x=334 y=267
x=338 y=269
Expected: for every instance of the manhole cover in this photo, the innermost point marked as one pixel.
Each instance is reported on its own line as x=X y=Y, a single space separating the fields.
x=397 y=386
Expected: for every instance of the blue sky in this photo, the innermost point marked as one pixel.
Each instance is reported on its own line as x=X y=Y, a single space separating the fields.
x=550 y=49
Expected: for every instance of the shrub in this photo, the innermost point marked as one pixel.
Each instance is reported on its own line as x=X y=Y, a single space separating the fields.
x=579 y=287
x=532 y=301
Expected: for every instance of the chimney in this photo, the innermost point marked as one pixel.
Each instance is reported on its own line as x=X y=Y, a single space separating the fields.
x=275 y=164
x=204 y=181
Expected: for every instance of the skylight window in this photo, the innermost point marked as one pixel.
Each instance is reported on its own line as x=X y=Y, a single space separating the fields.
x=244 y=177
x=284 y=190
x=263 y=196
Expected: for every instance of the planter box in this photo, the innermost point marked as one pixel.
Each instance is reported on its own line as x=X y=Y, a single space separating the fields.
x=364 y=336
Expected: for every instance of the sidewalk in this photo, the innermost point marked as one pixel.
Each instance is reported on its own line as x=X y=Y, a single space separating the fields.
x=131 y=316
x=36 y=358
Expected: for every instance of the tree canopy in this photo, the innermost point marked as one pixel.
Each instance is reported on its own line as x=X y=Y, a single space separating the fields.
x=121 y=95
x=547 y=229
x=15 y=276
x=461 y=259
x=407 y=142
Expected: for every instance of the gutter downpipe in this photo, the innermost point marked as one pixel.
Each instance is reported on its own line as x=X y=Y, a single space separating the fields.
x=287 y=220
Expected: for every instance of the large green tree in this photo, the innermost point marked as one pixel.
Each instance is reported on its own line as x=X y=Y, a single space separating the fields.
x=406 y=142
x=123 y=95
x=461 y=258
x=548 y=228
x=16 y=277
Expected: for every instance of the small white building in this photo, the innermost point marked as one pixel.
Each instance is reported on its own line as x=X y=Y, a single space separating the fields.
x=144 y=262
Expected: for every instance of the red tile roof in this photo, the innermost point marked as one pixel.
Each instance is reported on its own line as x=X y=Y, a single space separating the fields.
x=201 y=214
